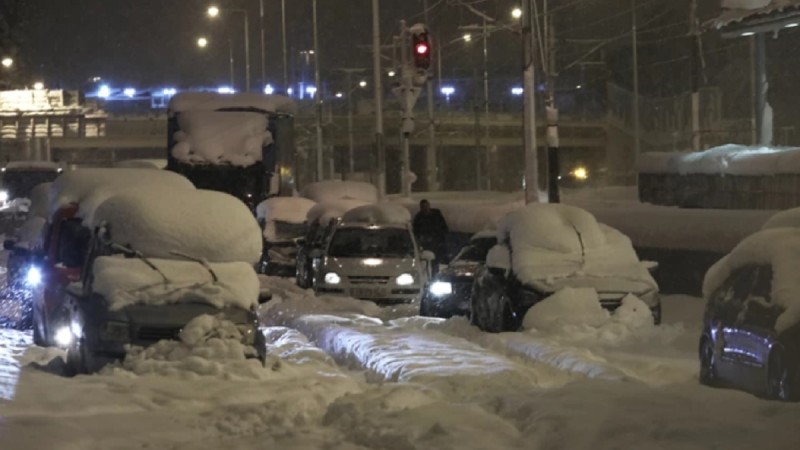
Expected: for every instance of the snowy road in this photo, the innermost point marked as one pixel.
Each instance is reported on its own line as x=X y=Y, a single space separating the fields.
x=344 y=374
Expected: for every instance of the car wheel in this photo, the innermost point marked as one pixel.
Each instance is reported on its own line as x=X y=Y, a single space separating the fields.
x=492 y=313
x=76 y=361
x=708 y=363
x=424 y=307
x=782 y=380
x=38 y=326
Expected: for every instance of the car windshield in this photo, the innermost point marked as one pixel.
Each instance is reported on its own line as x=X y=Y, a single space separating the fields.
x=371 y=243
x=476 y=250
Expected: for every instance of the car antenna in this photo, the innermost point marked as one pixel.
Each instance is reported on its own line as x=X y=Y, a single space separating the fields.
x=583 y=249
x=200 y=261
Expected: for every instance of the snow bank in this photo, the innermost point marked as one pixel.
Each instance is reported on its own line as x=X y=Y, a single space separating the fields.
x=326 y=191
x=76 y=186
x=778 y=247
x=209 y=101
x=199 y=223
x=570 y=308
x=142 y=164
x=789 y=218
x=284 y=209
x=332 y=209
x=208 y=137
x=554 y=246
x=728 y=159
x=384 y=213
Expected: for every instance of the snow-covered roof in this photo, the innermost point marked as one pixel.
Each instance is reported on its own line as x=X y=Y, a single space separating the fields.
x=76 y=186
x=778 y=247
x=142 y=164
x=235 y=138
x=284 y=209
x=332 y=209
x=33 y=165
x=203 y=224
x=556 y=245
x=384 y=213
x=209 y=101
x=129 y=281
x=324 y=191
x=728 y=159
x=737 y=11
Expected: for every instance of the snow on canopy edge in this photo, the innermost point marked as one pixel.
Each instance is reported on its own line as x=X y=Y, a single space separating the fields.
x=332 y=209
x=285 y=209
x=210 y=101
x=33 y=165
x=778 y=247
x=325 y=191
x=383 y=213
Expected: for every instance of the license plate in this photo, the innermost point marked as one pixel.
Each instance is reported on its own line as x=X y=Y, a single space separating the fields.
x=369 y=293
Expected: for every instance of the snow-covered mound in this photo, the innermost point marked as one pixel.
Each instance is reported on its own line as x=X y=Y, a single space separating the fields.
x=210 y=101
x=199 y=223
x=785 y=219
x=332 y=209
x=325 y=191
x=778 y=247
x=384 y=213
x=209 y=137
x=129 y=281
x=284 y=209
x=728 y=159
x=76 y=186
x=554 y=246
x=142 y=164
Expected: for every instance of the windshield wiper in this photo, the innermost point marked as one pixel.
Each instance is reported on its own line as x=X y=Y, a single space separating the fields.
x=137 y=254
x=200 y=261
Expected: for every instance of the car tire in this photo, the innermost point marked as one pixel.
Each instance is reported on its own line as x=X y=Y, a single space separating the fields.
x=38 y=339
x=492 y=313
x=76 y=361
x=708 y=363
x=782 y=378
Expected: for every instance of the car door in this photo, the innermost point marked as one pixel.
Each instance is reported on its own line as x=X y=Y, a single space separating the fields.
x=728 y=308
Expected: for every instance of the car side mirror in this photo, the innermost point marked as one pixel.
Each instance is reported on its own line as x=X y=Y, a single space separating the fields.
x=264 y=296
x=427 y=256
x=9 y=244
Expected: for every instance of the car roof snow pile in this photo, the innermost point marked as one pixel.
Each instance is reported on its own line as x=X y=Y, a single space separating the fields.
x=555 y=245
x=778 y=247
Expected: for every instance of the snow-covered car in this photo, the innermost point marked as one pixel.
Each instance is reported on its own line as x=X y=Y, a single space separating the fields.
x=751 y=325
x=322 y=219
x=449 y=292
x=283 y=220
x=372 y=255
x=157 y=260
x=70 y=198
x=545 y=248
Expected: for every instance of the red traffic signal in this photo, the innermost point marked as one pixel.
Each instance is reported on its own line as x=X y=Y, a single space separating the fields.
x=422 y=51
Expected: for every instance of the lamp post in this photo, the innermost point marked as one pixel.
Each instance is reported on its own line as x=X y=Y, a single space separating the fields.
x=203 y=43
x=349 y=94
x=7 y=62
x=214 y=12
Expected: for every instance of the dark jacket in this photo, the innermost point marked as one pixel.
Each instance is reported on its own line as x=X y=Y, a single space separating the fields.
x=431 y=228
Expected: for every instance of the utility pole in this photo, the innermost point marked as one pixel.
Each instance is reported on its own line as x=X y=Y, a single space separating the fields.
x=350 y=132
x=247 y=50
x=431 y=165
x=231 y=61
x=486 y=101
x=263 y=46
x=405 y=133
x=763 y=127
x=694 y=39
x=529 y=112
x=637 y=144
x=285 y=52
x=317 y=97
x=553 y=163
x=377 y=81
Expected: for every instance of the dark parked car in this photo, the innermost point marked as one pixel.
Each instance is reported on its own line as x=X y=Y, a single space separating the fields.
x=746 y=343
x=449 y=293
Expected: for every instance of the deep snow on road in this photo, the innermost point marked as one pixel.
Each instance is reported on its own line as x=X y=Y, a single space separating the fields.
x=345 y=374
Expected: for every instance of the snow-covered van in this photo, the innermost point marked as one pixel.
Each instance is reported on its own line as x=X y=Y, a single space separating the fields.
x=284 y=224
x=372 y=255
x=544 y=248
x=241 y=144
x=66 y=238
x=156 y=260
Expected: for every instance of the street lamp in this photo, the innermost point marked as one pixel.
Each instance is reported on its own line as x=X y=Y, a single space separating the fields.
x=38 y=86
x=7 y=62
x=202 y=42
x=467 y=37
x=362 y=83
x=214 y=12
x=516 y=13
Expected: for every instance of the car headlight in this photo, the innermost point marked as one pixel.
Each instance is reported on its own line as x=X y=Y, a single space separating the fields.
x=405 y=279
x=116 y=331
x=332 y=278
x=440 y=288
x=34 y=276
x=248 y=334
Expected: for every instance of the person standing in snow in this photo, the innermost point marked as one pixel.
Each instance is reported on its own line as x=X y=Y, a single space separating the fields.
x=431 y=229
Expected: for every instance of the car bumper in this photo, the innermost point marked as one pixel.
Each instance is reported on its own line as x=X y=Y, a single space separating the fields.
x=387 y=295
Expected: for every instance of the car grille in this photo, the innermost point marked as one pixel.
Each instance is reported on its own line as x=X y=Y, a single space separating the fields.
x=368 y=280
x=154 y=334
x=611 y=301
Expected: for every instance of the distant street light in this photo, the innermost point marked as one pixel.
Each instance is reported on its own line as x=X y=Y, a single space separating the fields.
x=363 y=83
x=517 y=91
x=213 y=11
x=104 y=91
x=447 y=91
x=467 y=37
x=202 y=42
x=129 y=92
x=392 y=73
x=516 y=13
x=38 y=86
x=269 y=90
x=7 y=62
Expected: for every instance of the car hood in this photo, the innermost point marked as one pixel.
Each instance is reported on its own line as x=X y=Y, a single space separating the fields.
x=178 y=315
x=372 y=266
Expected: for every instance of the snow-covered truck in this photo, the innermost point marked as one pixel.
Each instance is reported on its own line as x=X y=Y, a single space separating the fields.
x=240 y=144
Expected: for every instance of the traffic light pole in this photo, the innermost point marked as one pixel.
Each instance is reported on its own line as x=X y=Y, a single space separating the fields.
x=431 y=164
x=529 y=112
x=408 y=120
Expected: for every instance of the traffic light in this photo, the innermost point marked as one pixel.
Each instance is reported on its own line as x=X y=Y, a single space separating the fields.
x=422 y=50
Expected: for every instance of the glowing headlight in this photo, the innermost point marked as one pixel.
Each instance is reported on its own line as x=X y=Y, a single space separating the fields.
x=332 y=278
x=3 y=196
x=439 y=288
x=34 y=276
x=405 y=279
x=63 y=337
